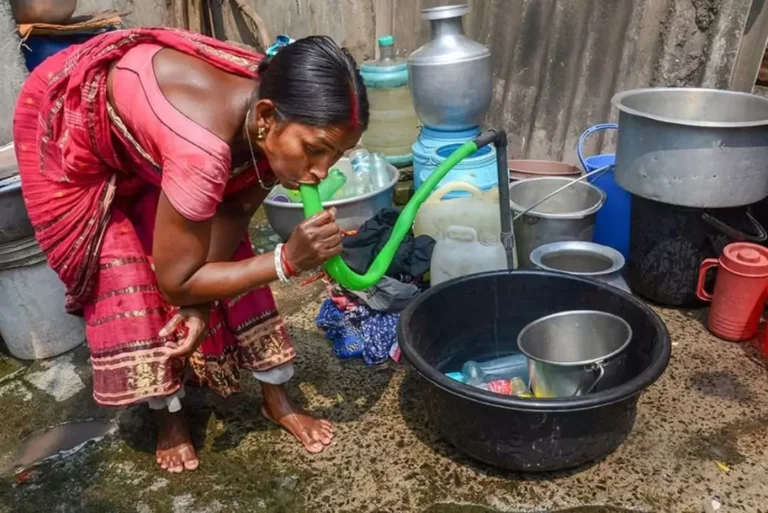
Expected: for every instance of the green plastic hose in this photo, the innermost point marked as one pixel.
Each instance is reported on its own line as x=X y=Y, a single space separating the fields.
x=338 y=269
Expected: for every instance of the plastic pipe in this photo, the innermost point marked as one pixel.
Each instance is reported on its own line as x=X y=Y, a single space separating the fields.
x=338 y=269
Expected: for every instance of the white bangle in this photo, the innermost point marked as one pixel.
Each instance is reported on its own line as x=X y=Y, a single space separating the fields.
x=279 y=264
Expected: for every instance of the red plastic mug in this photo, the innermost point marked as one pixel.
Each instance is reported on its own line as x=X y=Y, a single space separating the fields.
x=740 y=290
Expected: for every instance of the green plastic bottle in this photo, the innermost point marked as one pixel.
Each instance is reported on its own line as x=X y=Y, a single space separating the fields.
x=332 y=184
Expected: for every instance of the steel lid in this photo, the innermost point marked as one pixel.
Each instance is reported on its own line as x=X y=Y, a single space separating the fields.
x=746 y=259
x=444 y=12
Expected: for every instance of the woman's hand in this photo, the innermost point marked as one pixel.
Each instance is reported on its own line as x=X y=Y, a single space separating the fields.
x=193 y=321
x=314 y=241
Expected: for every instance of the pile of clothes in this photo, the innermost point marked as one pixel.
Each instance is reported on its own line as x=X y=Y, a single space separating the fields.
x=363 y=324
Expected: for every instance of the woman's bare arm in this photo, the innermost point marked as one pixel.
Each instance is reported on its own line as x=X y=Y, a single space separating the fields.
x=231 y=222
x=188 y=276
x=181 y=249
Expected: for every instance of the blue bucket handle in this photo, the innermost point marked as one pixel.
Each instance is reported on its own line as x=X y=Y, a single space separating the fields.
x=589 y=131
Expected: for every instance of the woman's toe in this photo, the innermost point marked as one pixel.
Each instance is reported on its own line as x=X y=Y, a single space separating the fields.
x=312 y=444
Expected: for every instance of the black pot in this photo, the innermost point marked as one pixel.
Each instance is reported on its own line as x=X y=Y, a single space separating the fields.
x=668 y=243
x=480 y=316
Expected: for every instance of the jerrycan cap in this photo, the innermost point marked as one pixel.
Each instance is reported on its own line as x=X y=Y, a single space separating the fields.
x=746 y=258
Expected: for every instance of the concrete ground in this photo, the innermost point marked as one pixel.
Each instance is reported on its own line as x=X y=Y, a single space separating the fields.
x=700 y=442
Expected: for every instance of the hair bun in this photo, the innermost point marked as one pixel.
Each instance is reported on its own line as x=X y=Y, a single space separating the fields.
x=263 y=66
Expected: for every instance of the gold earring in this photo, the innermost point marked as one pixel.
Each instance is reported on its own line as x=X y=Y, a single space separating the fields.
x=260 y=133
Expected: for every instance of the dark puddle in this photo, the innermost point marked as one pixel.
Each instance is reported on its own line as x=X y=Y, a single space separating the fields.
x=60 y=439
x=463 y=508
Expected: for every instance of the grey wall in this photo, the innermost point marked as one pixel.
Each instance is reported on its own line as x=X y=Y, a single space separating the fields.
x=556 y=62
x=144 y=13
x=12 y=67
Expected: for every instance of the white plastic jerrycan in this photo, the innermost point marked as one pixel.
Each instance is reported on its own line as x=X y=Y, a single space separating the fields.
x=460 y=253
x=479 y=210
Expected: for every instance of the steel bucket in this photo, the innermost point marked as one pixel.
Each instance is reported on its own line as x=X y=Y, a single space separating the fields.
x=569 y=215
x=571 y=353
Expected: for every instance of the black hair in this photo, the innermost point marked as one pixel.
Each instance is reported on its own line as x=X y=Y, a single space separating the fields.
x=316 y=82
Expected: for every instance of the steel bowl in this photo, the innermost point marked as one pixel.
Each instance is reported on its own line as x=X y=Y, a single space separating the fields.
x=572 y=353
x=8 y=165
x=351 y=213
x=702 y=148
x=14 y=221
x=42 y=11
x=581 y=258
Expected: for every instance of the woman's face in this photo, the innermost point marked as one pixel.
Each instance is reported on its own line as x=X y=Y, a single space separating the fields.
x=303 y=154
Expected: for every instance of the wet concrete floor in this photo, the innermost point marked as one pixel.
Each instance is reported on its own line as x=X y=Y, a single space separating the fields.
x=699 y=443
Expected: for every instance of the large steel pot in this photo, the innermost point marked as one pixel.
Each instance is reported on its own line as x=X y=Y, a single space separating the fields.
x=351 y=213
x=569 y=215
x=42 y=11
x=690 y=147
x=451 y=75
x=14 y=221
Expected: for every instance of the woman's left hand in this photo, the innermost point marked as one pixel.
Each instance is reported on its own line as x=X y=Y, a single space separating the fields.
x=193 y=320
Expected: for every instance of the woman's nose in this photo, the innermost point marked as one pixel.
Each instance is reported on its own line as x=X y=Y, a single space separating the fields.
x=319 y=173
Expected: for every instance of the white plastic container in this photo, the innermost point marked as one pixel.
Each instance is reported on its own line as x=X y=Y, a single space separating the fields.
x=33 y=321
x=461 y=253
x=479 y=210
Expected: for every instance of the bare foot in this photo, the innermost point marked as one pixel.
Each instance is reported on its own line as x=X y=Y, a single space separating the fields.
x=315 y=434
x=175 y=452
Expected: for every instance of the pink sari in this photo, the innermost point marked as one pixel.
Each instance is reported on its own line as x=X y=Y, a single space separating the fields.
x=91 y=181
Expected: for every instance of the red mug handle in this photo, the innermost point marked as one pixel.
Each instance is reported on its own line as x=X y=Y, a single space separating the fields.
x=706 y=265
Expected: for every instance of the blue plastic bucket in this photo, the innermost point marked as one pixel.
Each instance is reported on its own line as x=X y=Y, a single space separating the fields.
x=613 y=220
x=479 y=169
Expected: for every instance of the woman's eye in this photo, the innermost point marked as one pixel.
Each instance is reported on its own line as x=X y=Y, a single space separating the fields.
x=313 y=150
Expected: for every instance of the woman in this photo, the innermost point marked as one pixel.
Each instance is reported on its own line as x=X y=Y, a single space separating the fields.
x=143 y=155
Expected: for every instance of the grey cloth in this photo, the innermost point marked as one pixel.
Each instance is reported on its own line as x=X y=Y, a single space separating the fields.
x=388 y=295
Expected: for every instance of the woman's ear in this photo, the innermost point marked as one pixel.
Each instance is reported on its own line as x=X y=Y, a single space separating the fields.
x=266 y=114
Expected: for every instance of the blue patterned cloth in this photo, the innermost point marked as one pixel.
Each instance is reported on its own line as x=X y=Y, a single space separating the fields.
x=358 y=332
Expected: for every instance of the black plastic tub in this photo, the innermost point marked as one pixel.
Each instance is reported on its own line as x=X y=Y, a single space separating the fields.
x=480 y=317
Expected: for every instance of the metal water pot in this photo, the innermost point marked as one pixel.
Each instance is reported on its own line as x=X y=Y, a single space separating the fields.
x=451 y=74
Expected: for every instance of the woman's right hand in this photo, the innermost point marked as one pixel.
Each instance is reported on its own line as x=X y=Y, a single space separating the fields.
x=314 y=241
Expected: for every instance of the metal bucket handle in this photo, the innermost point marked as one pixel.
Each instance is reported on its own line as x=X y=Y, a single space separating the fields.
x=599 y=367
x=735 y=234
x=589 y=131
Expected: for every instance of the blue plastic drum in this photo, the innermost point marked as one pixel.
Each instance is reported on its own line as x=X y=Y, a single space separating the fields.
x=479 y=169
x=37 y=48
x=429 y=140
